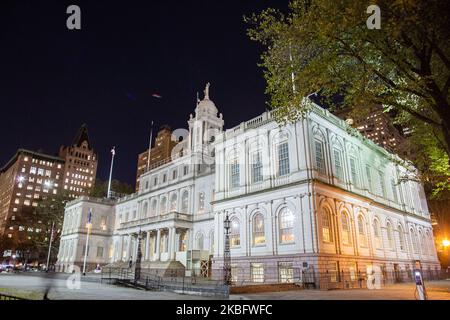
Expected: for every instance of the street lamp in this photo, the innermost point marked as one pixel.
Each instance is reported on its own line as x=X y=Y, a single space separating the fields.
x=137 y=268
x=226 y=252
x=445 y=243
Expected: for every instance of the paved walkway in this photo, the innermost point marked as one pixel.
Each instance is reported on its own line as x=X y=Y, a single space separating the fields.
x=34 y=286
x=437 y=290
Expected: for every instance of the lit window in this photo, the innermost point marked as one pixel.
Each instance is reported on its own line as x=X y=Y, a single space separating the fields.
x=257 y=272
x=286 y=220
x=326 y=225
x=345 y=223
x=286 y=272
x=259 y=237
x=235 y=237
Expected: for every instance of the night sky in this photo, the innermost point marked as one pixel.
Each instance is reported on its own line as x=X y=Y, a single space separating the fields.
x=53 y=79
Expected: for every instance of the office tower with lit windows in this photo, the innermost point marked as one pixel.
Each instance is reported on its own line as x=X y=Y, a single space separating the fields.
x=160 y=152
x=30 y=177
x=25 y=180
x=80 y=165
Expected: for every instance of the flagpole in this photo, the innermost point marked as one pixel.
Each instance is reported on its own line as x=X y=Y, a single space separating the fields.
x=50 y=246
x=88 y=226
x=113 y=152
x=149 y=146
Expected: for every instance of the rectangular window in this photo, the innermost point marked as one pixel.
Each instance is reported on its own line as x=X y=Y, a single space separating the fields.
x=257 y=272
x=369 y=178
x=99 y=252
x=353 y=172
x=285 y=272
x=33 y=170
x=257 y=167
x=333 y=271
x=320 y=160
x=185 y=170
x=234 y=273
x=234 y=170
x=394 y=190
x=381 y=189
x=352 y=269
x=338 y=164
x=283 y=159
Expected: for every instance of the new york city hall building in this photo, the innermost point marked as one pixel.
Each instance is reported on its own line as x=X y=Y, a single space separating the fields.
x=309 y=197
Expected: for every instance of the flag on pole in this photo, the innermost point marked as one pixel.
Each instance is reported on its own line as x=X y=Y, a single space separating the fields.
x=90 y=215
x=113 y=151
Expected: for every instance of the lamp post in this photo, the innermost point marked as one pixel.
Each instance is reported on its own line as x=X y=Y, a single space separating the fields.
x=226 y=252
x=137 y=268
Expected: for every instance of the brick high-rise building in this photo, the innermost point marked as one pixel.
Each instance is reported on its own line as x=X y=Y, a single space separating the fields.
x=27 y=178
x=378 y=127
x=160 y=152
x=30 y=177
x=80 y=166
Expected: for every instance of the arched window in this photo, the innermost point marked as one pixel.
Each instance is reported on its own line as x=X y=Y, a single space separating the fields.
x=362 y=237
x=327 y=234
x=201 y=202
x=423 y=244
x=415 y=241
x=377 y=233
x=199 y=240
x=211 y=241
x=286 y=221
x=345 y=222
x=429 y=240
x=390 y=235
x=173 y=202
x=145 y=210
x=163 y=205
x=235 y=233
x=154 y=204
x=401 y=237
x=184 y=202
x=259 y=237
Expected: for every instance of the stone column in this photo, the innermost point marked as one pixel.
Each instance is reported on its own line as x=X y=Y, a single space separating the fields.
x=147 y=246
x=171 y=240
x=158 y=242
x=129 y=252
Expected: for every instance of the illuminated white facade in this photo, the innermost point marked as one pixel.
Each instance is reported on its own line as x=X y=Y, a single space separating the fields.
x=313 y=194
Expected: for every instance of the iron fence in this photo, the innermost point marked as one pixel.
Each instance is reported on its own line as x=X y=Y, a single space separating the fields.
x=8 y=297
x=176 y=280
x=211 y=281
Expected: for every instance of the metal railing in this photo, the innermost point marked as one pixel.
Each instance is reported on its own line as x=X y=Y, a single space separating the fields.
x=195 y=281
x=8 y=297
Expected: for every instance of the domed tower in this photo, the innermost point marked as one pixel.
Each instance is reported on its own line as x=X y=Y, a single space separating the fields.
x=205 y=125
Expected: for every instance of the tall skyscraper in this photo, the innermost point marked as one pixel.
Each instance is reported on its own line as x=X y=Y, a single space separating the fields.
x=29 y=177
x=80 y=164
